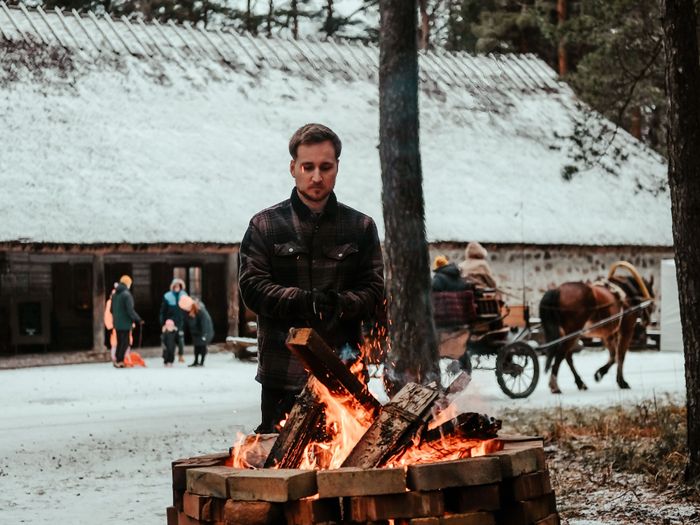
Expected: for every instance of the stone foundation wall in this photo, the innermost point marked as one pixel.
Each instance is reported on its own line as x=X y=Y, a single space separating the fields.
x=540 y=268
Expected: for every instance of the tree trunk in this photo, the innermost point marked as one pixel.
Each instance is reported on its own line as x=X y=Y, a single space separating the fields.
x=561 y=51
x=636 y=123
x=295 y=20
x=413 y=355
x=249 y=18
x=682 y=81
x=424 y=24
x=270 y=15
x=329 y=18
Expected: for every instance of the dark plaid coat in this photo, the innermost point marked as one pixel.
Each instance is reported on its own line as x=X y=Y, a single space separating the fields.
x=287 y=253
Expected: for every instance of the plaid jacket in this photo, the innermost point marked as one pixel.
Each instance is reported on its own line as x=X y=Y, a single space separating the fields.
x=287 y=253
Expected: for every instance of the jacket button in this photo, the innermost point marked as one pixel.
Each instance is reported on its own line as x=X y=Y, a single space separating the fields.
x=291 y=250
x=340 y=255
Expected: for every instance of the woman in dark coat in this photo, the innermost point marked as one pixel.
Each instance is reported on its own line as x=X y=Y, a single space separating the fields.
x=447 y=276
x=200 y=325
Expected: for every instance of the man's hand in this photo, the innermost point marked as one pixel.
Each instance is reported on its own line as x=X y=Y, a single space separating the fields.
x=326 y=305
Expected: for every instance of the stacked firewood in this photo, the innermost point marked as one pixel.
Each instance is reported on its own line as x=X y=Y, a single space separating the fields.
x=508 y=487
x=396 y=472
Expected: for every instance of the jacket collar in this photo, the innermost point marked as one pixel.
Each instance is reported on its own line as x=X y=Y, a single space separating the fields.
x=303 y=211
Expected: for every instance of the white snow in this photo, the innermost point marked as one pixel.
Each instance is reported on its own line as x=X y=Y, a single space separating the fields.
x=141 y=151
x=86 y=442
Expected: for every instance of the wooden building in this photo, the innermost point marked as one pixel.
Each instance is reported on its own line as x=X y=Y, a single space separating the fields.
x=53 y=297
x=144 y=150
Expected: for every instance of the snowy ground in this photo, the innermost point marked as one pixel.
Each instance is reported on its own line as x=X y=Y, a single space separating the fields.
x=87 y=443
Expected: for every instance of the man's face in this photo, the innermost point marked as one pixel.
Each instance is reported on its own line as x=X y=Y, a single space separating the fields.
x=315 y=170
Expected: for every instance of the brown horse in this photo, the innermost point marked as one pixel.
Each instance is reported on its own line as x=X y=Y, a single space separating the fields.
x=574 y=306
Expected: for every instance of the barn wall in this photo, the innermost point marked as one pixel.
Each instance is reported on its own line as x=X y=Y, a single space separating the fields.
x=63 y=280
x=541 y=268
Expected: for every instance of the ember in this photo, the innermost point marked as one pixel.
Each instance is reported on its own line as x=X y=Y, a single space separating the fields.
x=341 y=457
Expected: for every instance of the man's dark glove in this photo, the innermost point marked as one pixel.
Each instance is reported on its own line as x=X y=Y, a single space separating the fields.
x=326 y=306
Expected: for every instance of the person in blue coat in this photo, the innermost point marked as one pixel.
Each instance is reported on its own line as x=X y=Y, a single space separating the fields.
x=170 y=310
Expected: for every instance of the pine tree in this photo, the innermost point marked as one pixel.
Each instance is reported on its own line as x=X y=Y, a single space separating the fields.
x=413 y=355
x=682 y=80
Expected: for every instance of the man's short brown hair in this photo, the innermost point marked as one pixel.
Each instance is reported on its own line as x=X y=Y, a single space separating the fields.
x=314 y=134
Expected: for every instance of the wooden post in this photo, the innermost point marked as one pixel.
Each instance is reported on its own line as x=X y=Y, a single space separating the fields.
x=397 y=423
x=232 y=293
x=98 y=302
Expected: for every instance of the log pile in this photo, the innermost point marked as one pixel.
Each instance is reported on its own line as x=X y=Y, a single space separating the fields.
x=508 y=487
x=404 y=469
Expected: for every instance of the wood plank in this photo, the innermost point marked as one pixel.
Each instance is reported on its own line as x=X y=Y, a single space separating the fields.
x=360 y=482
x=321 y=361
x=171 y=515
x=527 y=486
x=274 y=485
x=457 y=473
x=472 y=518
x=98 y=302
x=471 y=499
x=304 y=424
x=194 y=506
x=397 y=422
x=253 y=513
x=528 y=512
x=394 y=506
x=181 y=466
x=311 y=510
x=211 y=481
x=518 y=461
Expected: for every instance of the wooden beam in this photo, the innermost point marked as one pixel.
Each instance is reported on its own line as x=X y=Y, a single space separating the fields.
x=49 y=247
x=98 y=302
x=398 y=421
x=304 y=424
x=232 y=298
x=327 y=367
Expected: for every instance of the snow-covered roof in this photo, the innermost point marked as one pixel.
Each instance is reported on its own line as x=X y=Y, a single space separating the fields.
x=126 y=132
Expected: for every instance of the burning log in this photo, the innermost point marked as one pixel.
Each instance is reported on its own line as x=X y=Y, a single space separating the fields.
x=320 y=360
x=304 y=424
x=469 y=425
x=398 y=422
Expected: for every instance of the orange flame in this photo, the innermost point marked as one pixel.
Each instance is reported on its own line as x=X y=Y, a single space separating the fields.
x=346 y=423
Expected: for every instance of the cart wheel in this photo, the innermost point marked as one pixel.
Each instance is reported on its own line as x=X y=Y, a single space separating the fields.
x=517 y=369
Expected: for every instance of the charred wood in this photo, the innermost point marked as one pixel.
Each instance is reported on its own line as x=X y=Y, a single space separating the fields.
x=398 y=422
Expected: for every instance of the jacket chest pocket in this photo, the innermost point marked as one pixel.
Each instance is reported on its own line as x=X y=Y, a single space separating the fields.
x=288 y=259
x=342 y=260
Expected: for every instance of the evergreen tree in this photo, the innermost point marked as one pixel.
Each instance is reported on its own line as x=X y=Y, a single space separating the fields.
x=683 y=77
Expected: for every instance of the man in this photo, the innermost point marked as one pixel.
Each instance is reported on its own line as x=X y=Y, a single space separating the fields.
x=308 y=261
x=124 y=316
x=169 y=309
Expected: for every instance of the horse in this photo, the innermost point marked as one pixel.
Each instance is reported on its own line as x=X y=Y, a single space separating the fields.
x=574 y=306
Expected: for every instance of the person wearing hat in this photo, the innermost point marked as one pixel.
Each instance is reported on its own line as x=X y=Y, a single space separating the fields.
x=447 y=277
x=169 y=310
x=124 y=316
x=200 y=325
x=308 y=261
x=475 y=266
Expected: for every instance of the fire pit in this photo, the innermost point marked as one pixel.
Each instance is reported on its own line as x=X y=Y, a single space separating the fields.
x=343 y=458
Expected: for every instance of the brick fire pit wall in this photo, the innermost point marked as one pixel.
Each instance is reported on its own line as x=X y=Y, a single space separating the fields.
x=509 y=487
